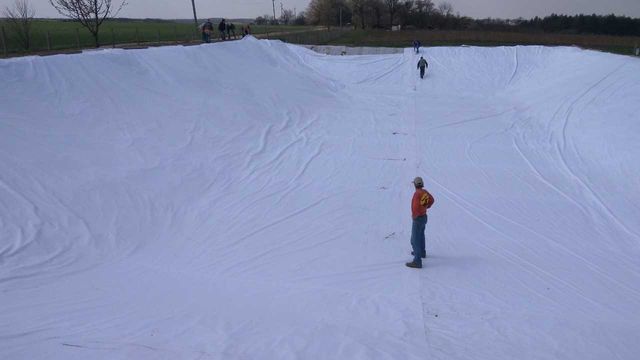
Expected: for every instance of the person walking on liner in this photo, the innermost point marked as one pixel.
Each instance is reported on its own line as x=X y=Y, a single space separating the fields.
x=422 y=65
x=416 y=46
x=421 y=201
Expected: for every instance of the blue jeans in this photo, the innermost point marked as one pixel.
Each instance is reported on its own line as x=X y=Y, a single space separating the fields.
x=417 y=238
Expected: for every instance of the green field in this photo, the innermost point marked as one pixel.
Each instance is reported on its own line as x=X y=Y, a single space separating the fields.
x=382 y=38
x=66 y=34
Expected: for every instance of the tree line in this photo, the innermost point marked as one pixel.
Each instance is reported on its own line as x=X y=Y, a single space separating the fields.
x=425 y=14
x=585 y=24
x=382 y=14
x=363 y=14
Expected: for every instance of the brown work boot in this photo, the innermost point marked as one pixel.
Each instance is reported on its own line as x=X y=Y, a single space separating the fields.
x=414 y=265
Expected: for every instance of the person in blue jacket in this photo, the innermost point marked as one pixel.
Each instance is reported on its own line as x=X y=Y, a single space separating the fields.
x=416 y=46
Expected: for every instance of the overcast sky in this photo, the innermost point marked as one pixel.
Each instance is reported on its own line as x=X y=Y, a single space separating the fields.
x=172 y=9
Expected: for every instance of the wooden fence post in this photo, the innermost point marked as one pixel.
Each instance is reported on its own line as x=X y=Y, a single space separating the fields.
x=158 y=36
x=4 y=43
x=77 y=38
x=113 y=39
x=48 y=40
x=175 y=34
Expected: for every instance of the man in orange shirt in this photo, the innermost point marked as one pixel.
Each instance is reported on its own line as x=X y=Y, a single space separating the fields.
x=421 y=201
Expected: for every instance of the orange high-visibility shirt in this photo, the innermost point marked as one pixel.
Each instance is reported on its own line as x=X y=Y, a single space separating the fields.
x=416 y=208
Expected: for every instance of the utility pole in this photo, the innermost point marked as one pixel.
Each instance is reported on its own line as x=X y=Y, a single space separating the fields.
x=3 y=36
x=273 y=2
x=195 y=17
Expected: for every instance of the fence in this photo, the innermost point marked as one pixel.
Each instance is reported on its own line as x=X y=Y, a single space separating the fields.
x=60 y=37
x=51 y=38
x=381 y=38
x=78 y=39
x=313 y=37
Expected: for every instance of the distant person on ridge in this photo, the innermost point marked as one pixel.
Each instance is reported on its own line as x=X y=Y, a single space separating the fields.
x=420 y=202
x=231 y=30
x=222 y=28
x=207 y=30
x=422 y=65
x=416 y=46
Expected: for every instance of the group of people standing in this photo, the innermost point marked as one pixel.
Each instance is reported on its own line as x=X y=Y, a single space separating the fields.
x=227 y=30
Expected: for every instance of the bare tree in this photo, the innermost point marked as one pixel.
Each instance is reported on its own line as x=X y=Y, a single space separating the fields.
x=405 y=8
x=318 y=10
x=422 y=13
x=445 y=8
x=425 y=6
x=377 y=7
x=360 y=10
x=20 y=18
x=300 y=19
x=325 y=12
x=392 y=7
x=287 y=16
x=89 y=13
